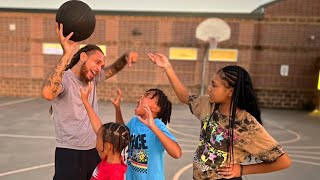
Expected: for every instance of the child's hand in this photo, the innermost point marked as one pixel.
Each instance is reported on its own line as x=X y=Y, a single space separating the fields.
x=85 y=93
x=148 y=121
x=160 y=60
x=231 y=171
x=116 y=101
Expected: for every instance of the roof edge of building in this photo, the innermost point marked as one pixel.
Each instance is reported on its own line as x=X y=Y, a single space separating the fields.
x=148 y=13
x=261 y=8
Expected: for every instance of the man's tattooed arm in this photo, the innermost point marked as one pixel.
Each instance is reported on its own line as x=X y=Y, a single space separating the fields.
x=52 y=85
x=117 y=66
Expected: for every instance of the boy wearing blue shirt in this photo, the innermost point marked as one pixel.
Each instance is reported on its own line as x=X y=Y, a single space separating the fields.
x=149 y=136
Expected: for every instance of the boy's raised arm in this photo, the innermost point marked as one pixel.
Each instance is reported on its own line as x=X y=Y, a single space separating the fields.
x=116 y=102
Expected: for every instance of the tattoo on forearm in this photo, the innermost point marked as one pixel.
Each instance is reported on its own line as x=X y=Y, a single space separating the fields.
x=54 y=80
x=115 y=67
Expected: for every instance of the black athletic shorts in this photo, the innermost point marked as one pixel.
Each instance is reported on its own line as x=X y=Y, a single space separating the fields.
x=71 y=164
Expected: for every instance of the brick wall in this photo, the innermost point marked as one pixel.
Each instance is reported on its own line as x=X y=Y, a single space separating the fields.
x=284 y=37
x=286 y=98
x=25 y=87
x=304 y=8
x=281 y=37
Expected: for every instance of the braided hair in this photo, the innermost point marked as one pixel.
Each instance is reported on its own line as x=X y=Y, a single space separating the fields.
x=243 y=97
x=165 y=105
x=87 y=49
x=116 y=134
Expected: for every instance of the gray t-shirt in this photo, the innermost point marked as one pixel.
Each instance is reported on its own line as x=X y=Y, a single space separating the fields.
x=72 y=124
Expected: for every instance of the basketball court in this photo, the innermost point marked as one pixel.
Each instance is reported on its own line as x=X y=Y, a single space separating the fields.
x=27 y=140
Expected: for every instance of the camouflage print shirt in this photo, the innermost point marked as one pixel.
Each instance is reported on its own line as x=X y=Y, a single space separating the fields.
x=250 y=138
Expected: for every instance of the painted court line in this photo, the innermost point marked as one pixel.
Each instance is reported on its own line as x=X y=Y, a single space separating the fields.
x=304 y=156
x=188 y=145
x=16 y=102
x=187 y=140
x=297 y=135
x=181 y=171
x=185 y=126
x=26 y=136
x=303 y=152
x=181 y=133
x=306 y=162
x=26 y=169
x=302 y=147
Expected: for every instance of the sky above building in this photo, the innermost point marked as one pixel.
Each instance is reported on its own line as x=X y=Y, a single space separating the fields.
x=202 y=6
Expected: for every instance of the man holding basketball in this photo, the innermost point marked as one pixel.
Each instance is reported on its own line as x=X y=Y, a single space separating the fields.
x=75 y=154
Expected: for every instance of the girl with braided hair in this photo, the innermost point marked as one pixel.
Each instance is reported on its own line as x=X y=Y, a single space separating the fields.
x=112 y=139
x=149 y=136
x=231 y=126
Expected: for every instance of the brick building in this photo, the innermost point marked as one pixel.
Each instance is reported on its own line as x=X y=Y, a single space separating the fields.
x=284 y=32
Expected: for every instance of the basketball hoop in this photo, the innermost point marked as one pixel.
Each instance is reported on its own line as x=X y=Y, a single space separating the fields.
x=212 y=31
x=213 y=43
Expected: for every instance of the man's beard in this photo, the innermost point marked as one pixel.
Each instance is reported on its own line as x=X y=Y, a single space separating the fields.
x=83 y=73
